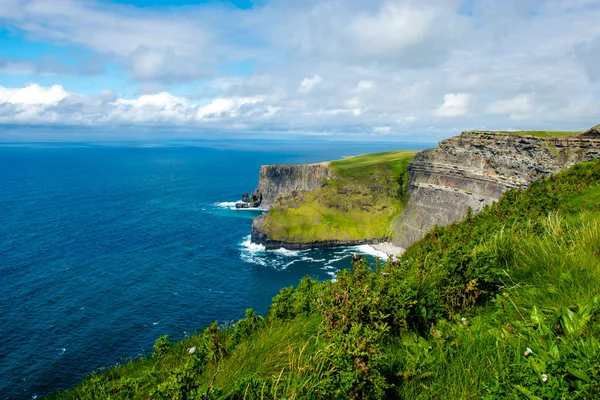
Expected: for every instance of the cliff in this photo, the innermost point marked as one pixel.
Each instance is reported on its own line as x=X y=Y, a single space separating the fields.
x=374 y=198
x=276 y=181
x=344 y=202
x=475 y=168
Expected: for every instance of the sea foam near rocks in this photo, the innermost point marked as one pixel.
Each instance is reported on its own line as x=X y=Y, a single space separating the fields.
x=230 y=205
x=370 y=250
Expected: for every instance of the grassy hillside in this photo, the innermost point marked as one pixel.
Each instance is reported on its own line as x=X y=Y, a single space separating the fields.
x=360 y=203
x=505 y=304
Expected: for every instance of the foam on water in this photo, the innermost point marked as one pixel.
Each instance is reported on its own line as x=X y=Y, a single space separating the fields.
x=252 y=252
x=279 y=259
x=370 y=250
x=252 y=247
x=230 y=205
x=286 y=252
x=282 y=258
x=226 y=204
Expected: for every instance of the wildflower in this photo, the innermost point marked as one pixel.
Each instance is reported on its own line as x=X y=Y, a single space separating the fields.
x=434 y=332
x=528 y=352
x=192 y=350
x=463 y=320
x=544 y=378
x=384 y=274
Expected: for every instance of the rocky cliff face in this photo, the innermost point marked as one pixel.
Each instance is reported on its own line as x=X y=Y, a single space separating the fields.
x=467 y=171
x=281 y=180
x=475 y=168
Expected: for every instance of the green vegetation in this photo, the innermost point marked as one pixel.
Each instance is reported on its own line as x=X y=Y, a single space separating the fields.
x=540 y=134
x=505 y=304
x=359 y=204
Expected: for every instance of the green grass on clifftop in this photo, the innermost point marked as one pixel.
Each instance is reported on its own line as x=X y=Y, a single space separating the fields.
x=540 y=134
x=505 y=304
x=359 y=204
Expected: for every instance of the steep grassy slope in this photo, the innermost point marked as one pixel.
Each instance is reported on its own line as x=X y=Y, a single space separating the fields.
x=503 y=304
x=360 y=203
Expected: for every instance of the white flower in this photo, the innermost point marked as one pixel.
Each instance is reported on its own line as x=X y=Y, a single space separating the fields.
x=528 y=352
x=544 y=378
x=192 y=350
x=463 y=320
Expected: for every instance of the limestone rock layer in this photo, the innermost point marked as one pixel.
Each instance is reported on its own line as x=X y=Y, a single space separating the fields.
x=281 y=180
x=475 y=168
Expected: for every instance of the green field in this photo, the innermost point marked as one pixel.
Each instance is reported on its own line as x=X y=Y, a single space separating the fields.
x=360 y=203
x=505 y=304
x=539 y=134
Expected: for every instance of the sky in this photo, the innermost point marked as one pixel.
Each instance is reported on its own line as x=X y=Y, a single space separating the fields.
x=365 y=70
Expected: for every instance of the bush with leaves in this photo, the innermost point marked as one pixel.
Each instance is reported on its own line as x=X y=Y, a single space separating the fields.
x=161 y=346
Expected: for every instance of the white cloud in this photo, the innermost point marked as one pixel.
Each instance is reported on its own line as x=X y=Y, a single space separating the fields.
x=163 y=64
x=353 y=102
x=413 y=66
x=382 y=130
x=406 y=120
x=33 y=95
x=393 y=28
x=588 y=53
x=307 y=84
x=119 y=29
x=455 y=105
x=162 y=99
x=519 y=107
x=160 y=107
x=365 y=86
x=37 y=104
x=336 y=111
x=229 y=107
x=155 y=46
x=586 y=108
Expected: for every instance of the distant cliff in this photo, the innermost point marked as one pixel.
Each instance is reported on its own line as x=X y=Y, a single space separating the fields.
x=475 y=168
x=372 y=198
x=344 y=202
x=276 y=181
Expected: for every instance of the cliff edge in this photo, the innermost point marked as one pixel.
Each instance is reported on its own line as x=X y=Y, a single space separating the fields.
x=400 y=196
x=276 y=181
x=474 y=169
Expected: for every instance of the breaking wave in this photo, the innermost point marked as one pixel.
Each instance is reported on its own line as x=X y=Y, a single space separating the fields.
x=230 y=205
x=325 y=263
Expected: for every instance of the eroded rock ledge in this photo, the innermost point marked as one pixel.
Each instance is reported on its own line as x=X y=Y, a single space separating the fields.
x=475 y=168
x=277 y=181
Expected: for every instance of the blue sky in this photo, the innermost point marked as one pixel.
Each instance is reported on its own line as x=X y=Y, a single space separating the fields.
x=384 y=70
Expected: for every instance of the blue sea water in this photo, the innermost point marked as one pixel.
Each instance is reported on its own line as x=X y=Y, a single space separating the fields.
x=104 y=248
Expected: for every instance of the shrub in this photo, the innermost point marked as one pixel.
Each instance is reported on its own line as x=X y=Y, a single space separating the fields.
x=161 y=346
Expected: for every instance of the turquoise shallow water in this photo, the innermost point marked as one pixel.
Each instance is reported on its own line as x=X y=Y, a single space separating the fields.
x=105 y=248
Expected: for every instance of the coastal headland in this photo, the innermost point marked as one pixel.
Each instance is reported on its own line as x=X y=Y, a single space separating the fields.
x=393 y=199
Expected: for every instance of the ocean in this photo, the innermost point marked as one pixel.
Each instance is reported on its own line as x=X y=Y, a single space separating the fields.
x=106 y=247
